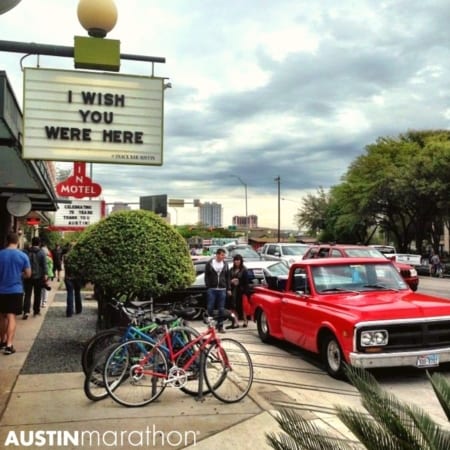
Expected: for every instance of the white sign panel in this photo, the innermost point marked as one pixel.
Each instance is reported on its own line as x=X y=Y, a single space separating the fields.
x=78 y=213
x=93 y=117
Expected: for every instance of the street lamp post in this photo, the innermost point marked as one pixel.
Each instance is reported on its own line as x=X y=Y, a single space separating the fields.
x=278 y=180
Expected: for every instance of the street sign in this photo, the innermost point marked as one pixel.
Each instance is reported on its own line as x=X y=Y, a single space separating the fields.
x=176 y=203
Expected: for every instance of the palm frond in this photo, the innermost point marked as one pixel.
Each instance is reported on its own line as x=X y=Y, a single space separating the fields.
x=368 y=431
x=429 y=434
x=389 y=423
x=300 y=433
x=441 y=387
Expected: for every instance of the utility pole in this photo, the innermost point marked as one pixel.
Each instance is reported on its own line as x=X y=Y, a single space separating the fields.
x=278 y=180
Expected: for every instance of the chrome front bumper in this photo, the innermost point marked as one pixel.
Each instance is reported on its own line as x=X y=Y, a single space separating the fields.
x=397 y=359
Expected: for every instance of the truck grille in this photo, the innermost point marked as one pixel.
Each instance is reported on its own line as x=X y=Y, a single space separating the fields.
x=412 y=336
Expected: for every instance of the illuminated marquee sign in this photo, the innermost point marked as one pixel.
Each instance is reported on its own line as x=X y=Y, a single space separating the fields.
x=78 y=185
x=94 y=117
x=79 y=214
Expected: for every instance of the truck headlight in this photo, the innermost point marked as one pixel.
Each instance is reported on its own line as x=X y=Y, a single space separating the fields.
x=413 y=272
x=374 y=338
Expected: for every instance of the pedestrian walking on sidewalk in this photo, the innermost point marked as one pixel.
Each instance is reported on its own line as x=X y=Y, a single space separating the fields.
x=34 y=285
x=14 y=266
x=50 y=275
x=57 y=261
x=73 y=288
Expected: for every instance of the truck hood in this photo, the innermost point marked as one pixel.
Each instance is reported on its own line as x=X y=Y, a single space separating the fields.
x=391 y=305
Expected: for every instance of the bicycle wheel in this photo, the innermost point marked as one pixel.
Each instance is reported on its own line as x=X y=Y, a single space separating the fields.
x=94 y=386
x=228 y=370
x=188 y=380
x=98 y=343
x=135 y=373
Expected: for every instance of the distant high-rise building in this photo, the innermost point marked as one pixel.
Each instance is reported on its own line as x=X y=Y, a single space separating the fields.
x=155 y=203
x=210 y=214
x=246 y=221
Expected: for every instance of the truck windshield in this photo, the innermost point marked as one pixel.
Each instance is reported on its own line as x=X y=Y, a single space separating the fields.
x=334 y=278
x=295 y=250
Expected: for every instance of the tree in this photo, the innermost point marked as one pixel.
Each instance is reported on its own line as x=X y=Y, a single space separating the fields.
x=62 y=174
x=313 y=212
x=390 y=424
x=399 y=186
x=131 y=254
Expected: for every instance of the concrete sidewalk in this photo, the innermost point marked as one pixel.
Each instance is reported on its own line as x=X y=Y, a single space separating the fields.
x=55 y=408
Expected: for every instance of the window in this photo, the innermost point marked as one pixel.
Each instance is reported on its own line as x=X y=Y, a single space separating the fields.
x=272 y=249
x=300 y=282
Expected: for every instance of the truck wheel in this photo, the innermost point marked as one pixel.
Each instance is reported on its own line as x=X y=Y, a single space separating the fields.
x=263 y=327
x=332 y=357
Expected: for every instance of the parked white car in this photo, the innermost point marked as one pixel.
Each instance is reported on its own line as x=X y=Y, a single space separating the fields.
x=289 y=252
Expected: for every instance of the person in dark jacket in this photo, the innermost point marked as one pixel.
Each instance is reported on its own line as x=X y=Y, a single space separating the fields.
x=73 y=287
x=38 y=278
x=239 y=287
x=217 y=282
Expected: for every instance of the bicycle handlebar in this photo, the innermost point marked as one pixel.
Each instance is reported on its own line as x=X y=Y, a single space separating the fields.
x=131 y=311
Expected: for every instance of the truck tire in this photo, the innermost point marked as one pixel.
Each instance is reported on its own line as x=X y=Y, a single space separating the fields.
x=332 y=356
x=263 y=327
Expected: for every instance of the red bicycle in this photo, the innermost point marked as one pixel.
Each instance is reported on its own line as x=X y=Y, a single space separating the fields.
x=137 y=371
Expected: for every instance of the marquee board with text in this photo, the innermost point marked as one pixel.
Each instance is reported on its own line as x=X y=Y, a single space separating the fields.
x=76 y=215
x=92 y=116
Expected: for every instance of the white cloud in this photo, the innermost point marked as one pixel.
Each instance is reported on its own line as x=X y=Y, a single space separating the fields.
x=262 y=89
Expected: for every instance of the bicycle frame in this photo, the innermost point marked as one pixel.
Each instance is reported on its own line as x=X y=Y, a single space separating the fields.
x=205 y=338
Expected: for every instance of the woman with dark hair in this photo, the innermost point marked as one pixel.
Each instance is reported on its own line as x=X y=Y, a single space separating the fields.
x=239 y=287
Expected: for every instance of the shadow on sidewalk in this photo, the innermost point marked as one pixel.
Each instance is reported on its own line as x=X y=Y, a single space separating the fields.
x=60 y=341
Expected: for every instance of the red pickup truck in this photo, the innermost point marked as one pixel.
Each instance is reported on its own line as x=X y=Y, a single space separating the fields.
x=358 y=311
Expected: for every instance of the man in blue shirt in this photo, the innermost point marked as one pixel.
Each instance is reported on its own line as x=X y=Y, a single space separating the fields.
x=14 y=266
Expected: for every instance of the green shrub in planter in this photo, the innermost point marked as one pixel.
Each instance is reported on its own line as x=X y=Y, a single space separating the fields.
x=132 y=254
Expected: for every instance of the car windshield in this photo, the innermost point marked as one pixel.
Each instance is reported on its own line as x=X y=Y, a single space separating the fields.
x=245 y=252
x=277 y=269
x=364 y=253
x=295 y=250
x=357 y=278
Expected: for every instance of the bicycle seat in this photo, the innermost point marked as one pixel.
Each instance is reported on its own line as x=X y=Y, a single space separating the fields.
x=140 y=304
x=164 y=319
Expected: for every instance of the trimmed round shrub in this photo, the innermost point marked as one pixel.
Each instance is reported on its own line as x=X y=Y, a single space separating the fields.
x=132 y=254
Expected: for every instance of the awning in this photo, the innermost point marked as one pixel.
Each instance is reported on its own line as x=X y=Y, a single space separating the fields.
x=19 y=176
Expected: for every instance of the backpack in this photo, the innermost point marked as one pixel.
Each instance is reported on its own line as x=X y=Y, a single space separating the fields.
x=36 y=271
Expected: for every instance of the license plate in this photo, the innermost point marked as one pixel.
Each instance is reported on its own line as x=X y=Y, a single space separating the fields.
x=427 y=360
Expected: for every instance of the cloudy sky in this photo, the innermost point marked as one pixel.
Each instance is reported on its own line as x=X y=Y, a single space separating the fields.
x=262 y=89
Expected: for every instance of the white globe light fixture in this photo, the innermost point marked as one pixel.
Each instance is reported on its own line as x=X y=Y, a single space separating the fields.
x=6 y=5
x=98 y=17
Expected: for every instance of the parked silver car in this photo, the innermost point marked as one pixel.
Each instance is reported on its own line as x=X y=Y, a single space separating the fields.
x=289 y=252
